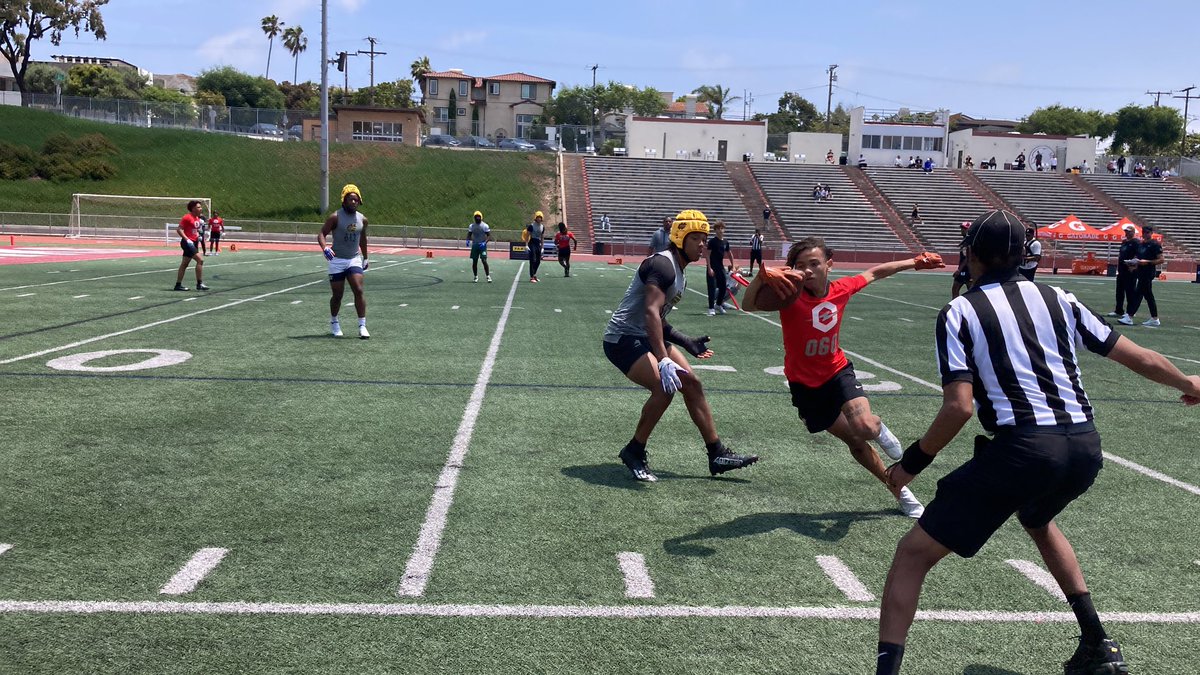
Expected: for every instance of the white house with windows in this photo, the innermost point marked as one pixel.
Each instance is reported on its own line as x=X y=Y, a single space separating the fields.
x=497 y=106
x=881 y=135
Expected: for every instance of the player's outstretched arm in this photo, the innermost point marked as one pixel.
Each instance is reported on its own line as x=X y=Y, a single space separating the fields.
x=1154 y=366
x=923 y=261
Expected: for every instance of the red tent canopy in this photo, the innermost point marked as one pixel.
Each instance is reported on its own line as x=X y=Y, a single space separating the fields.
x=1071 y=228
x=1116 y=231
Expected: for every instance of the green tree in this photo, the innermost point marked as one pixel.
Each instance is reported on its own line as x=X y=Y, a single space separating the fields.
x=839 y=121
x=398 y=94
x=452 y=113
x=573 y=105
x=1191 y=146
x=241 y=90
x=272 y=27
x=1059 y=119
x=169 y=104
x=795 y=113
x=303 y=96
x=1148 y=130
x=417 y=69
x=95 y=81
x=717 y=98
x=41 y=78
x=23 y=23
x=295 y=42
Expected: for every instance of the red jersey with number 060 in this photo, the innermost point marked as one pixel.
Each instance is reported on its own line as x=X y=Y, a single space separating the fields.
x=811 y=353
x=190 y=226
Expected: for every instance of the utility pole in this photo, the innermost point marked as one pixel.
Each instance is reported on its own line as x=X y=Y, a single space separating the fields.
x=324 y=107
x=592 y=130
x=747 y=104
x=373 y=54
x=829 y=100
x=1156 y=95
x=1187 y=98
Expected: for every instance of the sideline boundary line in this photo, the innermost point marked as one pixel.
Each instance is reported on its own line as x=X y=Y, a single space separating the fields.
x=564 y=611
x=420 y=562
x=173 y=319
x=133 y=274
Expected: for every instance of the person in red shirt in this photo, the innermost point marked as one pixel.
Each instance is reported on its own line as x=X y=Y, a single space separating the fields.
x=824 y=388
x=564 y=241
x=216 y=225
x=189 y=237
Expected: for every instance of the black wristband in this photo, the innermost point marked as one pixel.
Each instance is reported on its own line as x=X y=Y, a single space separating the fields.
x=915 y=459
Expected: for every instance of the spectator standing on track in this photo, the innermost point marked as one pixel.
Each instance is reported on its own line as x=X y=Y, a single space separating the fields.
x=996 y=355
x=718 y=284
x=1033 y=254
x=479 y=234
x=347 y=256
x=661 y=239
x=1145 y=269
x=564 y=241
x=189 y=234
x=533 y=234
x=1126 y=276
x=639 y=342
x=216 y=226
x=756 y=242
x=825 y=390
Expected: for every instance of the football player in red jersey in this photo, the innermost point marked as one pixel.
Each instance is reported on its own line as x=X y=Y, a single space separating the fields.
x=564 y=241
x=824 y=388
x=189 y=237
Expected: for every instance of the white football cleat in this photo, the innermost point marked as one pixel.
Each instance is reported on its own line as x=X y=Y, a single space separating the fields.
x=1151 y=322
x=362 y=333
x=720 y=309
x=1126 y=320
x=335 y=329
x=888 y=441
x=712 y=312
x=489 y=278
x=909 y=504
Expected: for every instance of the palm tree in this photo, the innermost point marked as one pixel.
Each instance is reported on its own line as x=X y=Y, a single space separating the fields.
x=295 y=42
x=418 y=69
x=272 y=26
x=717 y=97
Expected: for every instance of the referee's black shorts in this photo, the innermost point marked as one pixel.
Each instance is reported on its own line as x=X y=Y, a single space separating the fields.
x=1033 y=472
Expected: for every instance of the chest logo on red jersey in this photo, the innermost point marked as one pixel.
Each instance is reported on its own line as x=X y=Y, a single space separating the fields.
x=825 y=316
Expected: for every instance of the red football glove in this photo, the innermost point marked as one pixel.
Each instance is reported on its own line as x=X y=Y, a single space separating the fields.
x=928 y=261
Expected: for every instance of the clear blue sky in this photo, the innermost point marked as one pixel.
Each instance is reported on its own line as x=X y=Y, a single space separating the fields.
x=984 y=59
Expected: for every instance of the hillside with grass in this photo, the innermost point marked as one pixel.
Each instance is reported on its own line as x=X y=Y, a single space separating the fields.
x=251 y=179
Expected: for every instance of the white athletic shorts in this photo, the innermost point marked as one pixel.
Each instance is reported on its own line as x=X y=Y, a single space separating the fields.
x=339 y=266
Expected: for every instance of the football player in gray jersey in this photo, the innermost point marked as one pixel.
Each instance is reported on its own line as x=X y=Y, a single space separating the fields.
x=347 y=256
x=638 y=341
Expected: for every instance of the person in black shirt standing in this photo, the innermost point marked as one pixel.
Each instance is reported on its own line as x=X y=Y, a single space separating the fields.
x=1008 y=347
x=718 y=283
x=1126 y=281
x=1145 y=268
x=756 y=242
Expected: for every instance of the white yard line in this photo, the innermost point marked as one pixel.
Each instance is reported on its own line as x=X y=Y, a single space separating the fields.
x=5 y=547
x=187 y=578
x=26 y=295
x=454 y=307
x=166 y=321
x=137 y=297
x=1193 y=327
x=1146 y=471
x=638 y=611
x=903 y=302
x=1039 y=576
x=844 y=579
x=420 y=563
x=77 y=297
x=296 y=302
x=906 y=319
x=134 y=274
x=638 y=583
x=1180 y=358
x=719 y=369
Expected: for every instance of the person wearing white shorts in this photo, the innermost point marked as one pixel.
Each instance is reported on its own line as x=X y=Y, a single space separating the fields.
x=343 y=240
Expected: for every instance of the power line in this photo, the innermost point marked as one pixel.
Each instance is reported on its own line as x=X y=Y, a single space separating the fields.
x=829 y=99
x=373 y=54
x=1187 y=98
x=1157 y=95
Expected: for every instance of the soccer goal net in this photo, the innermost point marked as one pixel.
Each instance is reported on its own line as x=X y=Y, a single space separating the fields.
x=128 y=215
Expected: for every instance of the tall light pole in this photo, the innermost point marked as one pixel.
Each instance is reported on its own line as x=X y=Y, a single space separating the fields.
x=324 y=106
x=592 y=129
x=829 y=99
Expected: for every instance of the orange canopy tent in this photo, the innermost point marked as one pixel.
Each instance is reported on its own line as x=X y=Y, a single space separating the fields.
x=1071 y=228
x=1116 y=231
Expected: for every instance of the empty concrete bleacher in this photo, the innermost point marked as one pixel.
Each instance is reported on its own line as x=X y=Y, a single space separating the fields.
x=847 y=222
x=944 y=199
x=637 y=193
x=1044 y=198
x=1163 y=204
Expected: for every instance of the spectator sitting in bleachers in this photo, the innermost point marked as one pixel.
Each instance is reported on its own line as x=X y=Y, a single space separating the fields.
x=913 y=162
x=862 y=162
x=927 y=167
x=1112 y=166
x=899 y=162
x=1156 y=172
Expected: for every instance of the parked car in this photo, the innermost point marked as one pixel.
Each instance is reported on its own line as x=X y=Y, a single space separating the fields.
x=547 y=146
x=516 y=144
x=444 y=140
x=265 y=129
x=296 y=131
x=476 y=142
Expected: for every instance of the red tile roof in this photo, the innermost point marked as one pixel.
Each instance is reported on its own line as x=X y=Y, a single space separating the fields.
x=680 y=106
x=519 y=77
x=448 y=74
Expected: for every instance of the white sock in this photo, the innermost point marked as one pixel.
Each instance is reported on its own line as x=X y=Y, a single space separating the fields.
x=883 y=430
x=333 y=319
x=362 y=321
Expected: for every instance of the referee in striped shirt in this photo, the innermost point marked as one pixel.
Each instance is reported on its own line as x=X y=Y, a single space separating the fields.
x=1008 y=347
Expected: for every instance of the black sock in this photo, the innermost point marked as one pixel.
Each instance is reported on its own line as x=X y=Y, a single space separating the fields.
x=715 y=448
x=636 y=445
x=1089 y=621
x=888 y=661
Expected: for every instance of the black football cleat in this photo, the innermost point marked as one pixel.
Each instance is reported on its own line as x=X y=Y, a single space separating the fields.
x=180 y=287
x=1103 y=658
x=719 y=463
x=201 y=287
x=638 y=464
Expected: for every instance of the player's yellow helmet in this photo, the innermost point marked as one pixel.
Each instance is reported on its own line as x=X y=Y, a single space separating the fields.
x=537 y=214
x=477 y=213
x=351 y=188
x=688 y=221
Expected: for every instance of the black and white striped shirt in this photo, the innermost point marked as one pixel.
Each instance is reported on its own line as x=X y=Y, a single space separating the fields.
x=1015 y=341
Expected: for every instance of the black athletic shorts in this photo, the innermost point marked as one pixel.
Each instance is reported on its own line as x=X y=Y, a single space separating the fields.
x=1033 y=472
x=963 y=275
x=756 y=256
x=564 y=254
x=626 y=351
x=819 y=407
x=189 y=248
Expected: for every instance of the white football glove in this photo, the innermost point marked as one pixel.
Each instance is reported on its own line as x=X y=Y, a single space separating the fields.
x=366 y=264
x=668 y=374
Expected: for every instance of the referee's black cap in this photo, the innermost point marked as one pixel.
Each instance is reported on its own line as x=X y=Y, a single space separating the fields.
x=996 y=234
